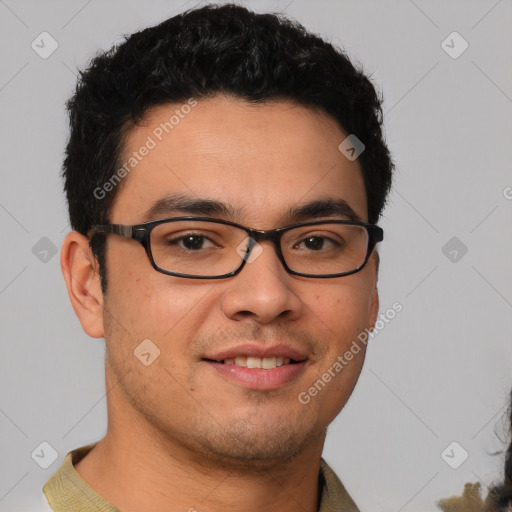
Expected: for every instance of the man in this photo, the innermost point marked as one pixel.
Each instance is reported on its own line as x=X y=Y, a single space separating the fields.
x=224 y=174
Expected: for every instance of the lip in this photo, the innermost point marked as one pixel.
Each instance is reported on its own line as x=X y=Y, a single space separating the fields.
x=252 y=350
x=256 y=378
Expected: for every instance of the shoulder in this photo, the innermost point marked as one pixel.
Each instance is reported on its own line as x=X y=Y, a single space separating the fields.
x=334 y=496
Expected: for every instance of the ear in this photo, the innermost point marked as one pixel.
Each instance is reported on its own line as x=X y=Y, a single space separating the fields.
x=80 y=270
x=374 y=297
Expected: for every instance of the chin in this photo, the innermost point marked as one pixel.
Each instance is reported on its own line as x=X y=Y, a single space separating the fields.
x=253 y=445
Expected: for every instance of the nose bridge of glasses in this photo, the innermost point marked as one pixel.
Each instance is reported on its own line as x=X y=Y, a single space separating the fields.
x=256 y=236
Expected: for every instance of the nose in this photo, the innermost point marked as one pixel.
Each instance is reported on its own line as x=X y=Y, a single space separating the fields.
x=263 y=289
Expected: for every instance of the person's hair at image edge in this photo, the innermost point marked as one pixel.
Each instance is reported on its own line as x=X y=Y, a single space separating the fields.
x=499 y=498
x=202 y=53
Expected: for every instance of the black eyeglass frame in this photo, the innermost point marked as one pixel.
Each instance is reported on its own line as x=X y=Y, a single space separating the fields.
x=142 y=233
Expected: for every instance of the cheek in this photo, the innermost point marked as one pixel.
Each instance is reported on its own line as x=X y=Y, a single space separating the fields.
x=342 y=310
x=341 y=314
x=164 y=312
x=146 y=302
x=161 y=320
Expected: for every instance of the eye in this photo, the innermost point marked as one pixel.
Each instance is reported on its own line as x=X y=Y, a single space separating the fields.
x=318 y=242
x=191 y=242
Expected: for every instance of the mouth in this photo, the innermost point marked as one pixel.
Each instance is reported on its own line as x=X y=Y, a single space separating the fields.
x=265 y=363
x=253 y=367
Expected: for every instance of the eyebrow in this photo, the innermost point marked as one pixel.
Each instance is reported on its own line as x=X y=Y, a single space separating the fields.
x=176 y=203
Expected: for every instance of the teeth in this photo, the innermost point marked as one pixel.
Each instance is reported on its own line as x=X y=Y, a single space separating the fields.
x=267 y=363
x=254 y=362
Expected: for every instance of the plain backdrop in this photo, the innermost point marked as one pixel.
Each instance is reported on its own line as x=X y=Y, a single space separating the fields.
x=438 y=373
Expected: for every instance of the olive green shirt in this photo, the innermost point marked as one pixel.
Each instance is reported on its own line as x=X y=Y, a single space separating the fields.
x=66 y=491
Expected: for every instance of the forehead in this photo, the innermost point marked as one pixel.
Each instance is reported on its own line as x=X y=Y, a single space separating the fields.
x=262 y=159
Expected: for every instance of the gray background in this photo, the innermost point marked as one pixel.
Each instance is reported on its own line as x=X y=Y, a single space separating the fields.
x=439 y=372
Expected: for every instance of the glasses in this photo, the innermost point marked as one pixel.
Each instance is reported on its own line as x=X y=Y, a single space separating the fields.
x=206 y=248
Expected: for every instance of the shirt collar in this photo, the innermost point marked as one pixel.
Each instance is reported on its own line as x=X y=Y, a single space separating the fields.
x=66 y=490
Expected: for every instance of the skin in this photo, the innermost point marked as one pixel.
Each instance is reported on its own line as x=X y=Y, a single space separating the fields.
x=179 y=435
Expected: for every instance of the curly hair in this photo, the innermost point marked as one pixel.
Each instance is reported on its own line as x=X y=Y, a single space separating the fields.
x=499 y=498
x=201 y=53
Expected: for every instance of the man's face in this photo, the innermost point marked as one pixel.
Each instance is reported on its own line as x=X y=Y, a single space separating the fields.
x=261 y=161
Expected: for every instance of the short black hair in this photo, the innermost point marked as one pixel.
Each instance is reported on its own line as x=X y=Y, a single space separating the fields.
x=202 y=53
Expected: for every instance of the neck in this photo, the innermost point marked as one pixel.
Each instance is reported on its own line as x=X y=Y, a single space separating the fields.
x=135 y=467
x=134 y=475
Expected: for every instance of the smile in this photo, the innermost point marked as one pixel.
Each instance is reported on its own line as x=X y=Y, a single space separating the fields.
x=259 y=374
x=266 y=363
x=258 y=367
